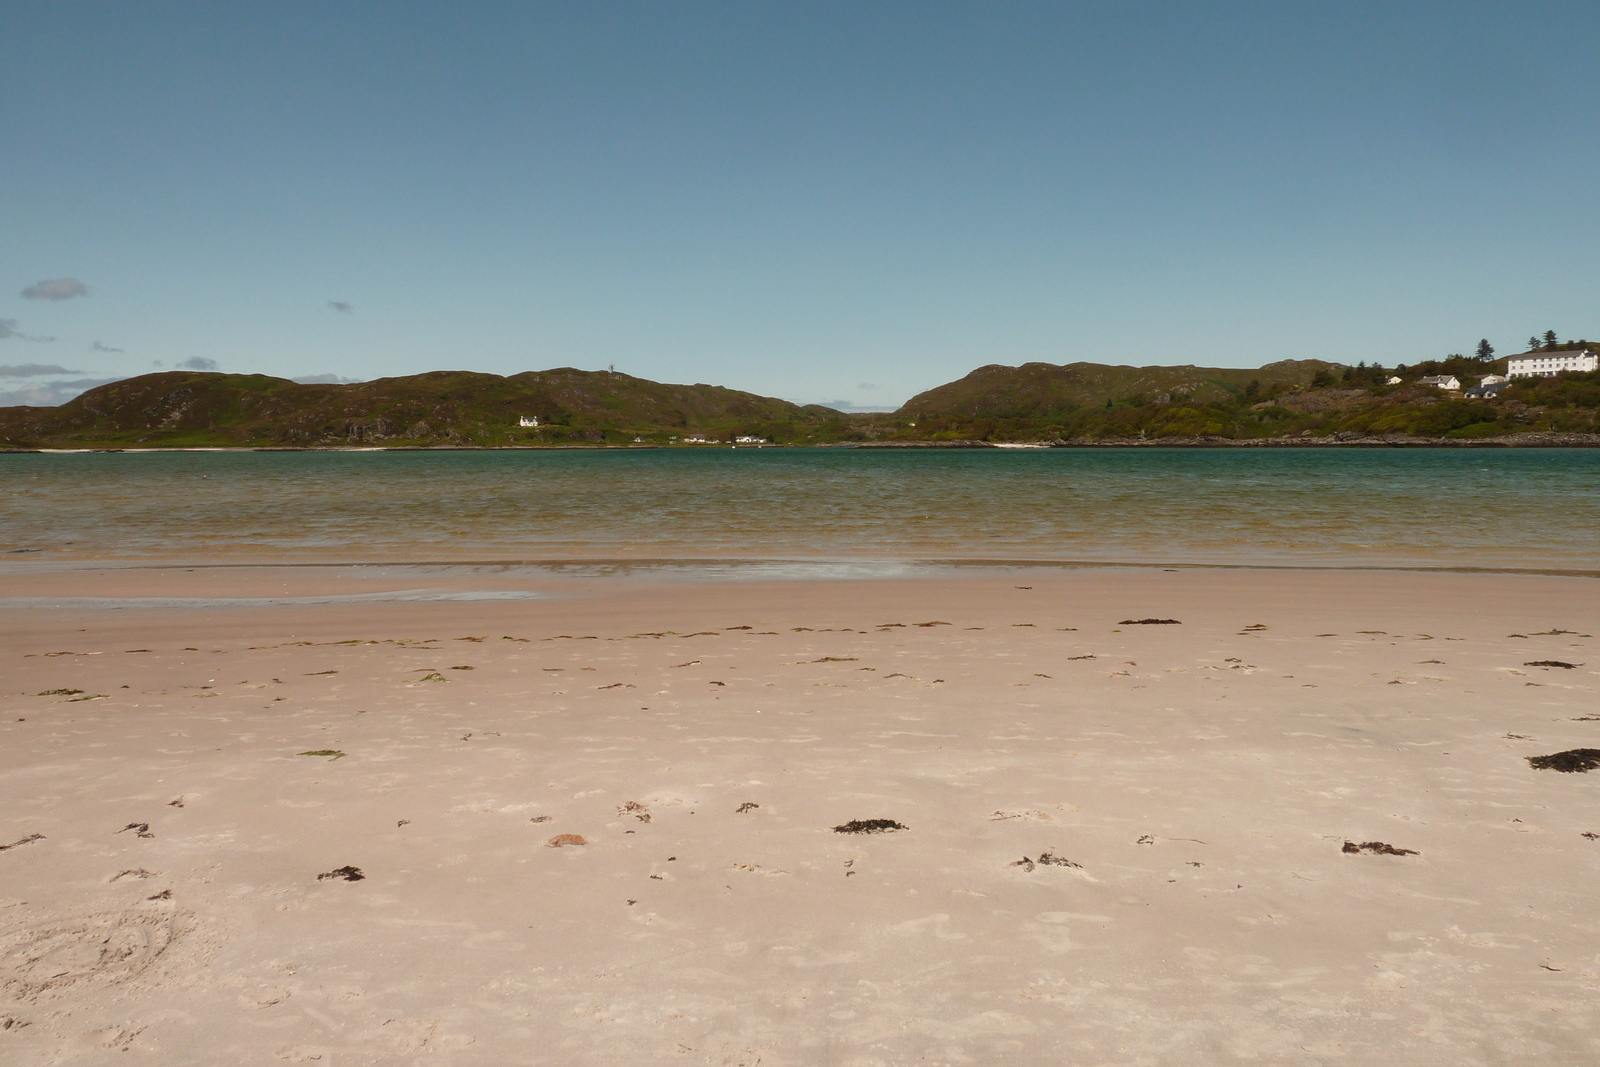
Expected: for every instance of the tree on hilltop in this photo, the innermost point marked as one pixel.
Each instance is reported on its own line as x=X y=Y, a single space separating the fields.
x=1485 y=350
x=1533 y=343
x=1550 y=339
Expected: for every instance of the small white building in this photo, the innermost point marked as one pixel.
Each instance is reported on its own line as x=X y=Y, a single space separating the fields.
x=1394 y=379
x=749 y=440
x=1547 y=364
x=1493 y=379
x=528 y=420
x=695 y=439
x=1441 y=381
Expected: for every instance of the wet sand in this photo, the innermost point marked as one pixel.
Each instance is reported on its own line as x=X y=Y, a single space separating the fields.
x=1123 y=843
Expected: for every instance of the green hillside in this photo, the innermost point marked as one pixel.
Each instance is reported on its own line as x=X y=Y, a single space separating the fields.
x=178 y=409
x=1043 y=390
x=1302 y=399
x=1080 y=402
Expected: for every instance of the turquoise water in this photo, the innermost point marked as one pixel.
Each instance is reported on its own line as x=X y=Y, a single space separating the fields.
x=1530 y=508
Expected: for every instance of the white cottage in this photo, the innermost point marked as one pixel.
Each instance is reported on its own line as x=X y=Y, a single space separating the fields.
x=528 y=420
x=1441 y=381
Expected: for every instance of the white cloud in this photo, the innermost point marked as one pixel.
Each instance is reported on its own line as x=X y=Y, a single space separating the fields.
x=50 y=394
x=34 y=370
x=324 y=379
x=197 y=363
x=56 y=289
x=8 y=330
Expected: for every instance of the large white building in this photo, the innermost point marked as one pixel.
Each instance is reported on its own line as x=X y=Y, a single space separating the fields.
x=1545 y=364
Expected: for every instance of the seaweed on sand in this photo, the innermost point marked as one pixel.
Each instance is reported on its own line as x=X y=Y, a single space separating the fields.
x=1046 y=859
x=348 y=874
x=1572 y=761
x=869 y=826
x=1377 y=848
x=1149 y=622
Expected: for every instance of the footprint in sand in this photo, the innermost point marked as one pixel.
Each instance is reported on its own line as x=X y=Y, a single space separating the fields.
x=99 y=950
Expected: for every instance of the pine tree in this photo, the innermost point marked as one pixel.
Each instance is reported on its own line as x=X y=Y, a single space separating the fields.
x=1549 y=338
x=1485 y=350
x=1533 y=343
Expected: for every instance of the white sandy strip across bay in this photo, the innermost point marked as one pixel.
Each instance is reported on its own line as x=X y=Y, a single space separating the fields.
x=1123 y=843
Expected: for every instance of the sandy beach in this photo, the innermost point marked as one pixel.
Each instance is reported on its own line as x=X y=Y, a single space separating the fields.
x=600 y=824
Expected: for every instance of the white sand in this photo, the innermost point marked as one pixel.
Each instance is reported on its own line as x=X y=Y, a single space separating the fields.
x=1201 y=780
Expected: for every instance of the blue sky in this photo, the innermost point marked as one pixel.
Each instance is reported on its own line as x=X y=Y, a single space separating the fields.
x=827 y=202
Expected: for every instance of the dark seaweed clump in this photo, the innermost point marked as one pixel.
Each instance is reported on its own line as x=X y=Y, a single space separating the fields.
x=1377 y=848
x=1046 y=859
x=1149 y=622
x=1572 y=761
x=30 y=839
x=349 y=874
x=869 y=826
x=1551 y=663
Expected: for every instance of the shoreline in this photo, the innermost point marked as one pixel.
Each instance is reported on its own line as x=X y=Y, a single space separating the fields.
x=723 y=569
x=1531 y=439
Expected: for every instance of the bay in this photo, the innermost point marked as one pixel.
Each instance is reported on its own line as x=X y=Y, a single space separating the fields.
x=1536 y=509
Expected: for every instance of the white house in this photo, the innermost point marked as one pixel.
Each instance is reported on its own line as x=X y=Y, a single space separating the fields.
x=1546 y=364
x=528 y=420
x=1441 y=381
x=1392 y=380
x=1493 y=379
x=695 y=439
x=750 y=440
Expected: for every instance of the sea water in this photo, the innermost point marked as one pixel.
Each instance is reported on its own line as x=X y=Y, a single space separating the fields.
x=1536 y=509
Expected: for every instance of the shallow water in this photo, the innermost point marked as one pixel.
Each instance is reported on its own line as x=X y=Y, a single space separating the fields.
x=1525 y=508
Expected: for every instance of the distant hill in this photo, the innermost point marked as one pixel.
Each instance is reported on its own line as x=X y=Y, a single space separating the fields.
x=1044 y=390
x=1306 y=400
x=1037 y=402
x=185 y=408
